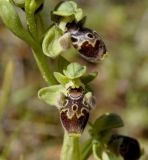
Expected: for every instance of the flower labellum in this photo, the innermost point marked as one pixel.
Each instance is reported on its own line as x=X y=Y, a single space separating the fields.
x=89 y=44
x=74 y=112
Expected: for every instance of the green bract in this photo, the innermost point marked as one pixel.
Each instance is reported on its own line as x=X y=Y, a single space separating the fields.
x=67 y=9
x=51 y=94
x=106 y=122
x=89 y=77
x=74 y=70
x=51 y=45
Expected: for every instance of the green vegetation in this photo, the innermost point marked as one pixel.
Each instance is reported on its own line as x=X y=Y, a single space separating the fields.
x=30 y=129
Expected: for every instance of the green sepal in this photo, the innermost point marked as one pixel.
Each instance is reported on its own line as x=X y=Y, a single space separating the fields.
x=88 y=78
x=90 y=99
x=51 y=95
x=74 y=70
x=61 y=78
x=67 y=9
x=51 y=45
x=106 y=122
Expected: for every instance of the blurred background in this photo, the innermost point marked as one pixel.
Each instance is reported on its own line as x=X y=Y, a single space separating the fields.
x=30 y=129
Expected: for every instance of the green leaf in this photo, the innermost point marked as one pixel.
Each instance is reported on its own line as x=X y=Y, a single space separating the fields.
x=51 y=94
x=106 y=122
x=7 y=11
x=51 y=45
x=88 y=78
x=61 y=78
x=74 y=70
x=68 y=9
x=11 y=19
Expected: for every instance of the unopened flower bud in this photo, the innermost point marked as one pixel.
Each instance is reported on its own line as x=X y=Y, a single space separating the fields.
x=125 y=146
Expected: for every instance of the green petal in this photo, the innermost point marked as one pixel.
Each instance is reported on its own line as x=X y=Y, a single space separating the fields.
x=51 y=94
x=74 y=70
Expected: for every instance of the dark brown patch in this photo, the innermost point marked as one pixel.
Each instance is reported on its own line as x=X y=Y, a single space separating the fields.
x=88 y=50
x=76 y=46
x=90 y=35
x=128 y=147
x=73 y=39
x=74 y=108
x=74 y=125
x=95 y=52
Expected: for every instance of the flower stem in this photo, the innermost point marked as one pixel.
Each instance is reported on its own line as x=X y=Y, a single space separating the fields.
x=30 y=17
x=42 y=63
x=40 y=58
x=86 y=150
x=71 y=147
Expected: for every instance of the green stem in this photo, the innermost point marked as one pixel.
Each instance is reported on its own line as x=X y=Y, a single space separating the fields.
x=42 y=63
x=97 y=150
x=86 y=150
x=40 y=58
x=30 y=17
x=71 y=147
